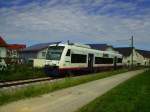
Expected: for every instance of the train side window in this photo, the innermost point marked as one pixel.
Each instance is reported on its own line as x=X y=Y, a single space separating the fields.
x=78 y=58
x=108 y=60
x=100 y=60
x=68 y=52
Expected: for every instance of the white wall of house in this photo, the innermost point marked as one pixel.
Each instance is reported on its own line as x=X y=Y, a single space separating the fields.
x=138 y=59
x=38 y=63
x=146 y=61
x=42 y=54
x=28 y=55
x=33 y=55
x=3 y=52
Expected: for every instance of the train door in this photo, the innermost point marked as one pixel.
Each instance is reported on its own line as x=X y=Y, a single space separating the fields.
x=90 y=61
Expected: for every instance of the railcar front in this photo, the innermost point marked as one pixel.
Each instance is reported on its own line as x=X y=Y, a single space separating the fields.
x=53 y=59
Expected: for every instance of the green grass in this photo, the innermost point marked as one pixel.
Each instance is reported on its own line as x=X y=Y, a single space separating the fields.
x=37 y=90
x=131 y=96
x=21 y=72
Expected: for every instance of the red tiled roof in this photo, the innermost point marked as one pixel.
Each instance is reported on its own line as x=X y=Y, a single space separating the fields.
x=11 y=46
x=2 y=42
x=16 y=46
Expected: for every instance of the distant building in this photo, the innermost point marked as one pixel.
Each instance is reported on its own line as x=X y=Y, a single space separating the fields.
x=127 y=55
x=145 y=55
x=139 y=56
x=14 y=49
x=103 y=47
x=3 y=50
x=37 y=51
x=10 y=52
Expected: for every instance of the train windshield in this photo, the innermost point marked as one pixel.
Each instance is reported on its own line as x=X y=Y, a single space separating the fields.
x=54 y=52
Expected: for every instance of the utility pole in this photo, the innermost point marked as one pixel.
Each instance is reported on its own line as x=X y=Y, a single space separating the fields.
x=132 y=46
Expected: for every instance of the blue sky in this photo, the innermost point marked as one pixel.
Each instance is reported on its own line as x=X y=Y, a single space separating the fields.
x=83 y=21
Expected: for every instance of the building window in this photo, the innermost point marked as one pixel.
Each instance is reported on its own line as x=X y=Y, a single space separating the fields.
x=78 y=58
x=119 y=60
x=15 y=53
x=68 y=52
x=43 y=54
x=128 y=61
x=138 y=64
x=100 y=60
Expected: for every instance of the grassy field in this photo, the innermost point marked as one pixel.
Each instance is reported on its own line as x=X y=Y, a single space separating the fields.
x=20 y=72
x=131 y=96
x=36 y=90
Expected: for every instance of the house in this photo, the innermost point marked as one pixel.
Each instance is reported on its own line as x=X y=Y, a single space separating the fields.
x=10 y=52
x=14 y=49
x=146 y=56
x=37 y=51
x=35 y=54
x=3 y=50
x=127 y=55
x=138 y=56
x=103 y=47
x=3 y=53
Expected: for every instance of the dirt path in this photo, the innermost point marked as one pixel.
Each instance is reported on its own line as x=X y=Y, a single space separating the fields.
x=70 y=99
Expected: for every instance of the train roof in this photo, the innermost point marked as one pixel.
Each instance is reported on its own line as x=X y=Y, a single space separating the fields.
x=87 y=47
x=72 y=44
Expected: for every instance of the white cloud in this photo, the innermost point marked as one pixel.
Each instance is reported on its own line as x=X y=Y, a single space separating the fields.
x=45 y=23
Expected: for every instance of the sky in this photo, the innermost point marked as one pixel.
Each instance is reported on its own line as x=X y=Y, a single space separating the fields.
x=83 y=21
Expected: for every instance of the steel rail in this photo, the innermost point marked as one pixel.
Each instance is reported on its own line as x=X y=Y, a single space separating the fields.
x=22 y=82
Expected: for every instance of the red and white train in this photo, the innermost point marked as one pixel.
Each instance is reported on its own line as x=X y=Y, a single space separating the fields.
x=69 y=58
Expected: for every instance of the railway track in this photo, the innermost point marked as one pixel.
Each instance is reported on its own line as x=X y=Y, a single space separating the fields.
x=22 y=82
